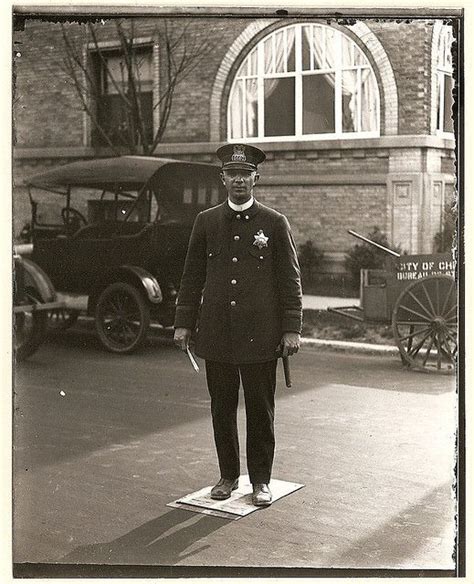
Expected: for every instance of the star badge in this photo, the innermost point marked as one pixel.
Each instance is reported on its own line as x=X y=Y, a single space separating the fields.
x=260 y=239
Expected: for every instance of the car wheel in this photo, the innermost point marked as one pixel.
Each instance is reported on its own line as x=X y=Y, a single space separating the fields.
x=30 y=328
x=122 y=317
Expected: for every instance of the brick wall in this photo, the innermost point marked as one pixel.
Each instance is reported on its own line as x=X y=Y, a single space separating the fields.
x=327 y=162
x=48 y=111
x=324 y=213
x=408 y=46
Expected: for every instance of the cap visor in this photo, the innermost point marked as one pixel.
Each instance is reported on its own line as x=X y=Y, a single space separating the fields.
x=241 y=165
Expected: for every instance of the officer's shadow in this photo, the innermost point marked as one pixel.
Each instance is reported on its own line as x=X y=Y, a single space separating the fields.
x=150 y=544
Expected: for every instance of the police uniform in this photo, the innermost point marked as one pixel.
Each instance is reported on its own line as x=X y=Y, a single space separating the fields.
x=241 y=288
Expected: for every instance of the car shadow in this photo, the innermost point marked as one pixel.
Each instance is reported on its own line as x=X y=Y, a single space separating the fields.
x=166 y=540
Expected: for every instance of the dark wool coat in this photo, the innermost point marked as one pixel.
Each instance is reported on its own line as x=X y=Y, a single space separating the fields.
x=250 y=295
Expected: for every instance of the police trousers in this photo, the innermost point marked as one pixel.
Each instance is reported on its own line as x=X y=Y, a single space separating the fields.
x=258 y=382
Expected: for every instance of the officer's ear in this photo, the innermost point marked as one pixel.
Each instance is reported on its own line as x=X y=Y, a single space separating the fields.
x=221 y=174
x=255 y=178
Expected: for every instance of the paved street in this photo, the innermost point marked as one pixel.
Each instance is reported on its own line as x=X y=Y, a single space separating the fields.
x=103 y=442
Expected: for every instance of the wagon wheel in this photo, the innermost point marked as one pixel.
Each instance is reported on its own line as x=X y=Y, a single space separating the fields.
x=30 y=328
x=122 y=318
x=424 y=323
x=61 y=319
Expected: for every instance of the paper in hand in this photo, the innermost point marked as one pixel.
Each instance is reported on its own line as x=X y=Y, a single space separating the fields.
x=193 y=360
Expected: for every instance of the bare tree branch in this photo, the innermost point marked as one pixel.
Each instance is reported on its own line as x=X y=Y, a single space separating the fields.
x=181 y=51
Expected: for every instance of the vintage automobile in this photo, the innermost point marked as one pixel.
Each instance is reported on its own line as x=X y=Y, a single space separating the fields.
x=119 y=238
x=33 y=298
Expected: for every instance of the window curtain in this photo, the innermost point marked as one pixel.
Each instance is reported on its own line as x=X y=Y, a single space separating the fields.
x=280 y=54
x=325 y=55
x=243 y=109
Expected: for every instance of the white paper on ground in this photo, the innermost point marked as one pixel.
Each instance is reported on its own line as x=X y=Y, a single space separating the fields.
x=240 y=502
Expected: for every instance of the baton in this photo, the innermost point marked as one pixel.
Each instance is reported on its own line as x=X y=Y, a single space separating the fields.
x=286 y=369
x=192 y=359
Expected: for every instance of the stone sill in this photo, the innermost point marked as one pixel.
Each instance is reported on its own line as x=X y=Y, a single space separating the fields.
x=209 y=148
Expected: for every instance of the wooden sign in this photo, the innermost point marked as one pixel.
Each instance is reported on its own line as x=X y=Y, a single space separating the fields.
x=414 y=267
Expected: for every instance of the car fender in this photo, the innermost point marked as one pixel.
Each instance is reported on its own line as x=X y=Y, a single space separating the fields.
x=35 y=277
x=133 y=275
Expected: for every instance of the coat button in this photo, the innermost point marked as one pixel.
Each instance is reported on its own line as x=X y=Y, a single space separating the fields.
x=210 y=254
x=237 y=216
x=233 y=303
x=261 y=257
x=235 y=260
x=236 y=237
x=247 y=217
x=233 y=282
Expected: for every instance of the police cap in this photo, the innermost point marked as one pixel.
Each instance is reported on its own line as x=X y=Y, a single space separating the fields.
x=241 y=156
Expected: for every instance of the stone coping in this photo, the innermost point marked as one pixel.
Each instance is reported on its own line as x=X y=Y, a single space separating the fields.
x=180 y=148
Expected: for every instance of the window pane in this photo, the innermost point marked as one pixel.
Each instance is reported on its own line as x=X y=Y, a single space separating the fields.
x=236 y=121
x=330 y=38
x=359 y=57
x=350 y=99
x=268 y=55
x=348 y=52
x=280 y=52
x=112 y=116
x=318 y=104
x=251 y=108
x=115 y=75
x=291 y=54
x=188 y=195
x=306 y=50
x=143 y=67
x=253 y=62
x=369 y=102
x=242 y=69
x=146 y=104
x=448 y=104
x=280 y=107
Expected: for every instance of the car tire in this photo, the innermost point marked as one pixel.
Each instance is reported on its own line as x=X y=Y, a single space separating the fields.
x=122 y=318
x=30 y=328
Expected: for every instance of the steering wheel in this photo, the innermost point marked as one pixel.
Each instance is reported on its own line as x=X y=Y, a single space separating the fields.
x=76 y=219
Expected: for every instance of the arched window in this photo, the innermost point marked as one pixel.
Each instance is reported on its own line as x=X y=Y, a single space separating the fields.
x=444 y=86
x=301 y=82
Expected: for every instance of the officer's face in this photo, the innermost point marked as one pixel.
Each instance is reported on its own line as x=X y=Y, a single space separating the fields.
x=239 y=184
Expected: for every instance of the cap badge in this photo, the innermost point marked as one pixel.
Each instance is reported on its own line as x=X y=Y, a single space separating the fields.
x=260 y=239
x=239 y=154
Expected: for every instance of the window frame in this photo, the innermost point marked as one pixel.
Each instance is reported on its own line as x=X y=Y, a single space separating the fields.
x=298 y=75
x=442 y=71
x=114 y=46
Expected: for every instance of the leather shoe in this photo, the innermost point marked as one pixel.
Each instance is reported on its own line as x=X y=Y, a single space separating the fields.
x=224 y=488
x=261 y=495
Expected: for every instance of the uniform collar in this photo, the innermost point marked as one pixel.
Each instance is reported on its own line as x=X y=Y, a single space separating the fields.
x=250 y=212
x=240 y=208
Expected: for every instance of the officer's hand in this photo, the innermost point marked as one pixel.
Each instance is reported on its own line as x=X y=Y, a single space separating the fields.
x=290 y=343
x=182 y=337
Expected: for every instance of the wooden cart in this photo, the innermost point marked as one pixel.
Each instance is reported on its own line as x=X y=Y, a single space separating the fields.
x=418 y=295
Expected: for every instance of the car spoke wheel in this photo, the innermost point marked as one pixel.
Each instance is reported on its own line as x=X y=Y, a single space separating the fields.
x=61 y=319
x=122 y=318
x=29 y=328
x=424 y=324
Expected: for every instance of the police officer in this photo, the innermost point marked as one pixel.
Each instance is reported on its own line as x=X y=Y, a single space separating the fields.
x=242 y=275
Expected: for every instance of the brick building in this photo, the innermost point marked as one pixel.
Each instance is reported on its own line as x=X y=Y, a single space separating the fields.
x=354 y=118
